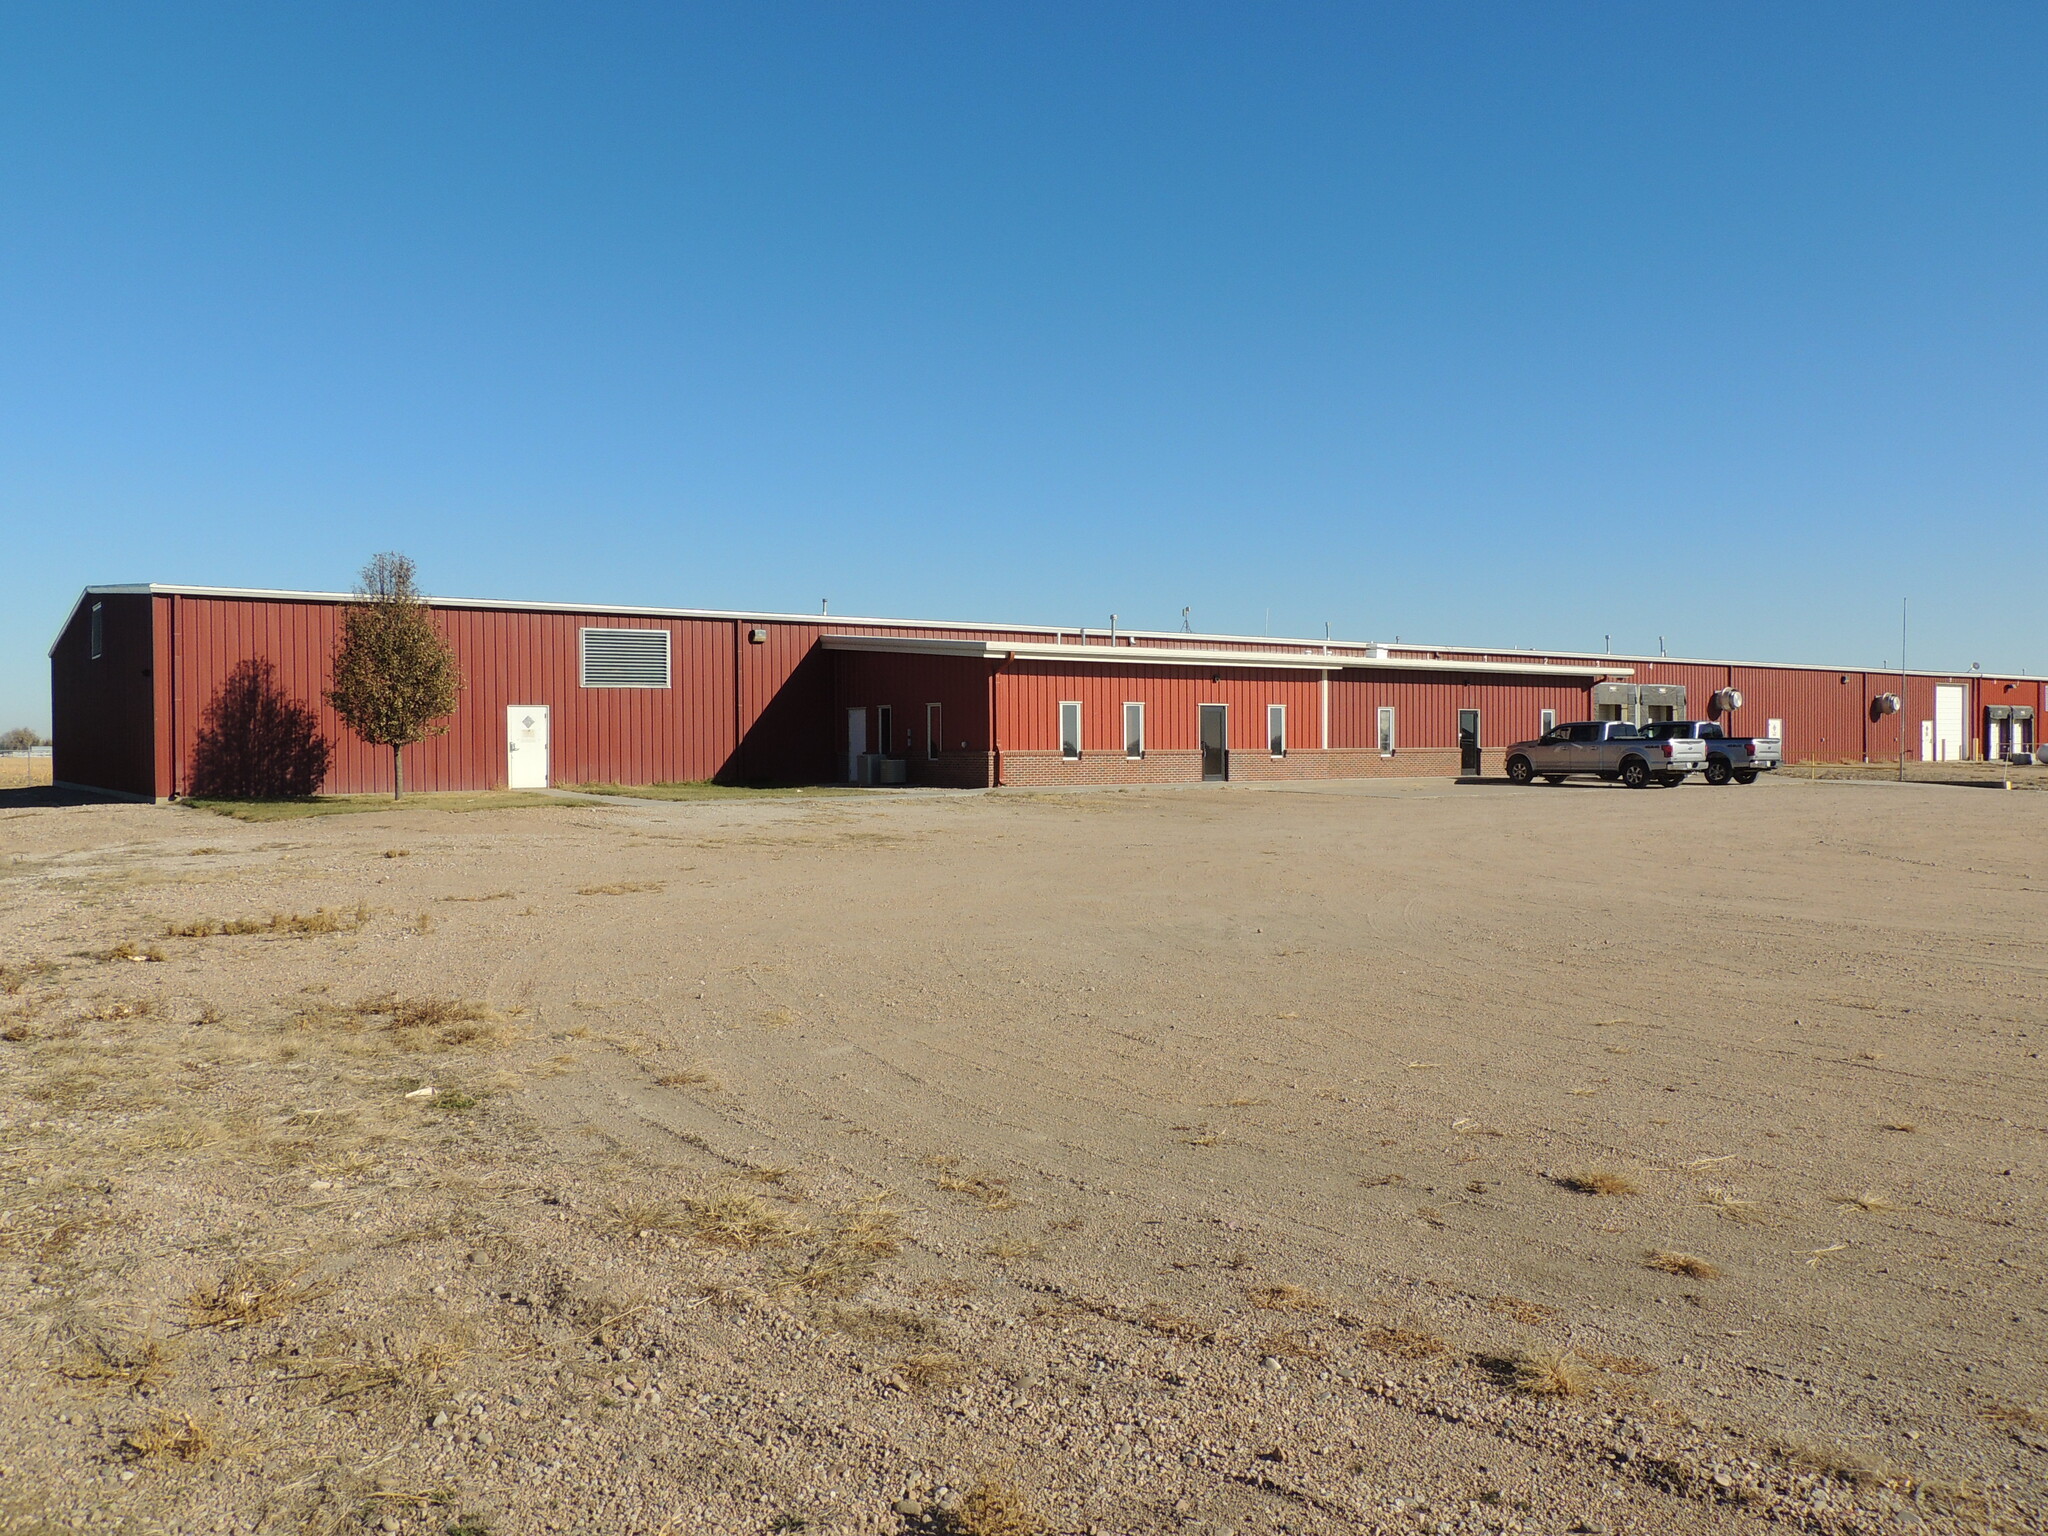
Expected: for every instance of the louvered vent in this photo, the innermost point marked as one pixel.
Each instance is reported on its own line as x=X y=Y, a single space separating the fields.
x=625 y=658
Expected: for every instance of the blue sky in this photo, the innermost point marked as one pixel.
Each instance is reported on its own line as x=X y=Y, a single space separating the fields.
x=1488 y=324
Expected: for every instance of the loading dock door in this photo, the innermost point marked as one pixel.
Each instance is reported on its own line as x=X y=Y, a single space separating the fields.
x=1215 y=742
x=1949 y=742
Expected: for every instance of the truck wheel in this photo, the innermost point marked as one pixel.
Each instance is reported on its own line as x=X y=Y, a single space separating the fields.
x=1520 y=771
x=1553 y=778
x=1635 y=773
x=1670 y=780
x=1717 y=770
x=1745 y=775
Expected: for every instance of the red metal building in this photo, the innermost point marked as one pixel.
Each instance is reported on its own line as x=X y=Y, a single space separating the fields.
x=559 y=694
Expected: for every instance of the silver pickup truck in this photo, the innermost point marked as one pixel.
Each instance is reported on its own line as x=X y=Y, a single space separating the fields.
x=1740 y=758
x=1605 y=749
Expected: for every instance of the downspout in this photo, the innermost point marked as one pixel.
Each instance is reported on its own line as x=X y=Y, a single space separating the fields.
x=177 y=746
x=995 y=716
x=1326 y=710
x=739 y=768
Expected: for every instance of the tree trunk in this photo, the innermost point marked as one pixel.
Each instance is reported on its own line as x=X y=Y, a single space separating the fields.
x=397 y=773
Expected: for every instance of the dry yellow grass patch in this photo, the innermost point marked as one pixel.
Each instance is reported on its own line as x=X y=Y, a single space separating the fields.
x=929 y=1372
x=1007 y=1248
x=425 y=1023
x=1867 y=1201
x=1404 y=1343
x=128 y=951
x=1729 y=1208
x=323 y=920
x=739 y=1221
x=1598 y=1181
x=392 y=1365
x=992 y=1193
x=2013 y=1413
x=1528 y=1313
x=690 y=1077
x=172 y=1437
x=870 y=1228
x=1283 y=1298
x=1673 y=1263
x=1290 y=1344
x=622 y=888
x=18 y=974
x=136 y=1364
x=1545 y=1374
x=829 y=1270
x=249 y=1295
x=991 y=1507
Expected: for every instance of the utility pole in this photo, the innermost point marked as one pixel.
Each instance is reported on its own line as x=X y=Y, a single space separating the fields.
x=1903 y=710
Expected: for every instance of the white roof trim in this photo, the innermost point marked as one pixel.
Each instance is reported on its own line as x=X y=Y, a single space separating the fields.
x=1350 y=653
x=1174 y=656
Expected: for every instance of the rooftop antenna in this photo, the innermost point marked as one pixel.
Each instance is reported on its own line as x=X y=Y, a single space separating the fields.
x=824 y=605
x=1610 y=645
x=1185 y=627
x=1112 y=629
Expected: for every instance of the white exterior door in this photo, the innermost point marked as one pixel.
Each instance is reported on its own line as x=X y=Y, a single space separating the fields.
x=1926 y=741
x=526 y=746
x=856 y=742
x=1949 y=741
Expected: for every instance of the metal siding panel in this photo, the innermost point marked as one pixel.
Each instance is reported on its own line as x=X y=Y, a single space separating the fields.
x=766 y=712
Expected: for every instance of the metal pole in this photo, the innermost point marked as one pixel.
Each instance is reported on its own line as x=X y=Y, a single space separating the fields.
x=1903 y=710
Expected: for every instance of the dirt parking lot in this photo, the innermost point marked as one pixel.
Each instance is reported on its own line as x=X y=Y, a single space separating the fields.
x=1400 y=1157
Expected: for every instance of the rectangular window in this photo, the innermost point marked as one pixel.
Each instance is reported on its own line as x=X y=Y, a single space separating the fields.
x=933 y=733
x=1070 y=729
x=625 y=658
x=99 y=632
x=1134 y=730
x=1386 y=730
x=1276 y=729
x=1546 y=721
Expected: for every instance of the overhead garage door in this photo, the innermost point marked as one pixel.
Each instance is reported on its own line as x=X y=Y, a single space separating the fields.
x=1949 y=741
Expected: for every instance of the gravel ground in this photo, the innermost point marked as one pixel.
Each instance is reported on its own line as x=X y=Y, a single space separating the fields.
x=1404 y=1158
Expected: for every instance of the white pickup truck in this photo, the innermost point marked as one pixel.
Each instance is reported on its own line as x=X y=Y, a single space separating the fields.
x=1604 y=749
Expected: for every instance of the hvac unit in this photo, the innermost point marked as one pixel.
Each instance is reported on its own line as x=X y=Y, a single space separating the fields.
x=1728 y=698
x=1886 y=704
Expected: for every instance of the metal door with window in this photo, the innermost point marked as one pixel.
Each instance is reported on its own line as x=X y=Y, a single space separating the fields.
x=934 y=732
x=1215 y=720
x=1468 y=743
x=856 y=742
x=526 y=746
x=885 y=730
